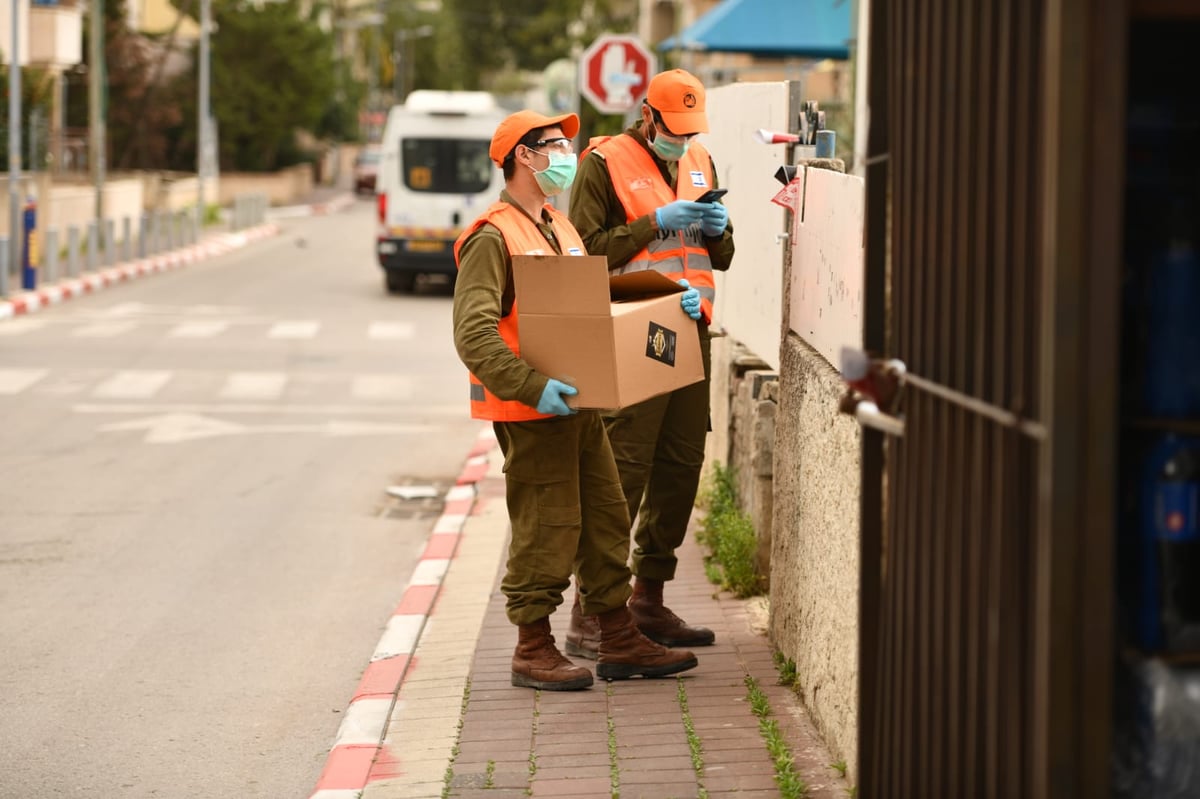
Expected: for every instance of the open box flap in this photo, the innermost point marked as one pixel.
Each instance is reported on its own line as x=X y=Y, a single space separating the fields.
x=561 y=284
x=635 y=285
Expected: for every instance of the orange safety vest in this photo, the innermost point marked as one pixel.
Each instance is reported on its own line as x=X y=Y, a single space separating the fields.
x=641 y=189
x=522 y=237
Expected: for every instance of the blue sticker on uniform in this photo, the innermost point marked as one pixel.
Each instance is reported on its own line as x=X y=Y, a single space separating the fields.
x=660 y=344
x=574 y=251
x=699 y=180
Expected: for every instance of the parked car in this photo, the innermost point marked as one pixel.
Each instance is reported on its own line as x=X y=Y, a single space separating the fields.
x=366 y=168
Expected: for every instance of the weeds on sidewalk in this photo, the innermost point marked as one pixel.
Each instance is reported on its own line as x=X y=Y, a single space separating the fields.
x=693 y=740
x=787 y=670
x=729 y=535
x=448 y=779
x=614 y=768
x=791 y=785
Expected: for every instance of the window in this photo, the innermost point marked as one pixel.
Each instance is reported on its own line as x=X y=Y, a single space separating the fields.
x=446 y=166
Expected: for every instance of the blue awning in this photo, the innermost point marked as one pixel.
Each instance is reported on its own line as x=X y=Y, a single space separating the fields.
x=771 y=28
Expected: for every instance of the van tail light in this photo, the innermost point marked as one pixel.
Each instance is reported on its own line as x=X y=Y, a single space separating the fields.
x=381 y=205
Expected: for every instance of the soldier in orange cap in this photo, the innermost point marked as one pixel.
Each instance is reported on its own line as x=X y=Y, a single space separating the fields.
x=565 y=502
x=636 y=201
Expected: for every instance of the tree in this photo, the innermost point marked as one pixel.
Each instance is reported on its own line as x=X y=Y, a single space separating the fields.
x=479 y=40
x=138 y=116
x=273 y=74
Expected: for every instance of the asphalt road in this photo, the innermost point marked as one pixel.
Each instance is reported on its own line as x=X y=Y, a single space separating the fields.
x=197 y=550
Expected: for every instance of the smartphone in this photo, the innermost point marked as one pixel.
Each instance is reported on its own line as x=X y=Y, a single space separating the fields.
x=712 y=195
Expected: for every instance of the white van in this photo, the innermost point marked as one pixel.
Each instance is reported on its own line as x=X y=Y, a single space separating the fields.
x=434 y=178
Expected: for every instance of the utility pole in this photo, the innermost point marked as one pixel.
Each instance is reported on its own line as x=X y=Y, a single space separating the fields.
x=14 y=153
x=202 y=112
x=96 y=113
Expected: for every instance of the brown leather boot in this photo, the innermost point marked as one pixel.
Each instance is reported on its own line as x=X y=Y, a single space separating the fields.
x=583 y=636
x=537 y=663
x=658 y=623
x=625 y=653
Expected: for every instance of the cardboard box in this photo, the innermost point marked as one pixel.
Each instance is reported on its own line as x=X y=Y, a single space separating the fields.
x=619 y=340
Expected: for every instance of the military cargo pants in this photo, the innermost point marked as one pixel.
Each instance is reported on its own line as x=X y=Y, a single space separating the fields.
x=659 y=447
x=568 y=514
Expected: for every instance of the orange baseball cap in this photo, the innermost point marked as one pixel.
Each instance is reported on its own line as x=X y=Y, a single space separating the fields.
x=678 y=97
x=514 y=126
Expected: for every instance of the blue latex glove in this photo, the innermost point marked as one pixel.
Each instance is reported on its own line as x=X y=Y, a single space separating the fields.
x=679 y=214
x=713 y=219
x=552 y=398
x=690 y=300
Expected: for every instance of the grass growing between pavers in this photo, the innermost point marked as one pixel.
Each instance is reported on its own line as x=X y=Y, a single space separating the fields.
x=791 y=785
x=462 y=714
x=694 y=744
x=614 y=768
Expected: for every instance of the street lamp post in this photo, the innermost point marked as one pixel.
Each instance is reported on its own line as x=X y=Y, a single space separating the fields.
x=14 y=154
x=96 y=113
x=399 y=67
x=202 y=111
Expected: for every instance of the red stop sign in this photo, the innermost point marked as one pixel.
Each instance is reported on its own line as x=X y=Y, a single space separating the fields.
x=614 y=73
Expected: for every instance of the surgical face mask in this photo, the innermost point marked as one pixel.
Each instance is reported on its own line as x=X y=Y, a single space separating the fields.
x=667 y=149
x=558 y=175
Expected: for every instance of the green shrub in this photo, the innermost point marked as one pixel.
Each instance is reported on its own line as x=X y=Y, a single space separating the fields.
x=729 y=535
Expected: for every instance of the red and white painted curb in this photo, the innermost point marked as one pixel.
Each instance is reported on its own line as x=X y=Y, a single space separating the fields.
x=312 y=209
x=357 y=757
x=30 y=301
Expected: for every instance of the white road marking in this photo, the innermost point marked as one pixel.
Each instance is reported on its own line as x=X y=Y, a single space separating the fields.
x=104 y=329
x=421 y=411
x=391 y=331
x=381 y=387
x=16 y=327
x=205 y=329
x=14 y=381
x=254 y=385
x=132 y=385
x=172 y=428
x=297 y=329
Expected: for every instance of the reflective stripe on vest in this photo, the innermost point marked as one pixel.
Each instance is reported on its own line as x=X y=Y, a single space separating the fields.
x=641 y=189
x=521 y=237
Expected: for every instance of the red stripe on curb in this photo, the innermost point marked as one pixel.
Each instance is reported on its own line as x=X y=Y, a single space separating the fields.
x=386 y=766
x=441 y=545
x=458 y=507
x=381 y=677
x=386 y=677
x=474 y=472
x=347 y=767
x=417 y=600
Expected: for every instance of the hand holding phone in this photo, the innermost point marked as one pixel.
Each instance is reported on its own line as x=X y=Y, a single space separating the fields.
x=712 y=195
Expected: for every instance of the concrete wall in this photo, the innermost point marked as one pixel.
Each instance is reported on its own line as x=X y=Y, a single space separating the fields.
x=815 y=543
x=775 y=397
x=284 y=187
x=61 y=205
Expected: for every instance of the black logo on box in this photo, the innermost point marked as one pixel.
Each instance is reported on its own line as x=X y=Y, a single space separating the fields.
x=660 y=344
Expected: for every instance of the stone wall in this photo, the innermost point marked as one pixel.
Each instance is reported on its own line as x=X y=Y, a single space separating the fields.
x=815 y=543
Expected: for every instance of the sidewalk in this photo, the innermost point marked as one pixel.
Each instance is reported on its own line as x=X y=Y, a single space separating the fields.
x=436 y=715
x=213 y=242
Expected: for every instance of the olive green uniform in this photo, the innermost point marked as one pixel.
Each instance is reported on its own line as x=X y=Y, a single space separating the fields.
x=659 y=443
x=565 y=502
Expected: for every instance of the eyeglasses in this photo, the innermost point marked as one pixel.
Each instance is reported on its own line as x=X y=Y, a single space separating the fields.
x=559 y=144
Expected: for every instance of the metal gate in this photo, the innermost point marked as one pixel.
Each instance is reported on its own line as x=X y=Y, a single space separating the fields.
x=982 y=669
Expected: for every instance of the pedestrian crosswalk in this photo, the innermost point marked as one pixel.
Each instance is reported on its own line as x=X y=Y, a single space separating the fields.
x=186 y=326
x=200 y=385
x=116 y=325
